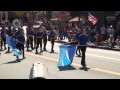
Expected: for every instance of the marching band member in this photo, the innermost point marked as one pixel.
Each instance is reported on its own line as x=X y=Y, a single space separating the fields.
x=3 y=38
x=29 y=37
x=9 y=33
x=45 y=38
x=20 y=42
x=14 y=32
x=83 y=39
x=35 y=37
x=39 y=40
x=52 y=37
x=78 y=47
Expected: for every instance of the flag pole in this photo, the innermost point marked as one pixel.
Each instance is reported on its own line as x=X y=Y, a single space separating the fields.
x=89 y=26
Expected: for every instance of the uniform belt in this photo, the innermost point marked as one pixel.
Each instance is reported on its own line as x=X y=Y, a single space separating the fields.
x=52 y=38
x=30 y=35
x=39 y=37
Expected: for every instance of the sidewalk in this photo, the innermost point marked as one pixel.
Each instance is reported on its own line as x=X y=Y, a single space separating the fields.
x=99 y=47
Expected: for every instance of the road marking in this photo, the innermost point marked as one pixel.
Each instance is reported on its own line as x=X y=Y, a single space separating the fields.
x=108 y=58
x=103 y=51
x=75 y=64
x=104 y=57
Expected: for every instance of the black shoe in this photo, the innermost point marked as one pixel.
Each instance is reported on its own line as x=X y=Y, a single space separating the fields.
x=18 y=60
x=84 y=68
x=5 y=48
x=52 y=52
x=79 y=55
x=14 y=55
x=36 y=53
x=41 y=51
x=7 y=52
x=27 y=50
x=23 y=58
x=44 y=49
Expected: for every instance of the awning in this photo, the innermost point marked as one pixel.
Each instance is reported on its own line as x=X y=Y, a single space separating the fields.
x=110 y=18
x=74 y=19
x=54 y=19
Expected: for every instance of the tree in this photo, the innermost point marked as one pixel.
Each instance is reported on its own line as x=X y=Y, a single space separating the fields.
x=48 y=15
x=57 y=14
x=19 y=13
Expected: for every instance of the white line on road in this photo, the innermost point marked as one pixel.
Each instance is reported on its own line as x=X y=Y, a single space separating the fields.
x=108 y=58
x=104 y=51
x=104 y=57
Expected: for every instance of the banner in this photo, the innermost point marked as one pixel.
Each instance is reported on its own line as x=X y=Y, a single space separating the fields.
x=66 y=56
x=12 y=44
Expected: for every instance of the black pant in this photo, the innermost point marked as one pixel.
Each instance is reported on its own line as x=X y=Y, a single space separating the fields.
x=39 y=41
x=83 y=50
x=45 y=42
x=20 y=46
x=3 y=42
x=35 y=41
x=30 y=41
x=52 y=42
x=8 y=49
x=78 y=49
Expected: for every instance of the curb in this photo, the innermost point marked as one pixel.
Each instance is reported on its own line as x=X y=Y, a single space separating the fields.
x=91 y=46
x=104 y=48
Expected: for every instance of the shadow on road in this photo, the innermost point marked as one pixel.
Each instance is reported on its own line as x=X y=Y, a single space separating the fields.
x=31 y=73
x=8 y=52
x=15 y=61
x=66 y=68
x=1 y=50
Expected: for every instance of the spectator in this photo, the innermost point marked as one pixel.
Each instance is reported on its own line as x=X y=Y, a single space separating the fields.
x=103 y=31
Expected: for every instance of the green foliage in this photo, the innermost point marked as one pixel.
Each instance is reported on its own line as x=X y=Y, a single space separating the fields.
x=19 y=13
x=56 y=14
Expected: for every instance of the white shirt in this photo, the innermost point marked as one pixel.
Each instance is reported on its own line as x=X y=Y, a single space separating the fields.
x=17 y=23
x=111 y=31
x=103 y=29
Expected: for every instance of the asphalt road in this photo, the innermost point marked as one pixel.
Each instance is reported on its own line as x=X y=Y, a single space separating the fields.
x=102 y=64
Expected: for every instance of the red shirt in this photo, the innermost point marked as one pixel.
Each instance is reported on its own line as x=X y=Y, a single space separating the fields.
x=7 y=23
x=100 y=37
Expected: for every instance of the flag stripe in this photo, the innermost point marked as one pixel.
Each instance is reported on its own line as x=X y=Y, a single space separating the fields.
x=92 y=19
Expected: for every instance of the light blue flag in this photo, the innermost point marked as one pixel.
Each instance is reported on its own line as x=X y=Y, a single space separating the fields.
x=66 y=56
x=12 y=44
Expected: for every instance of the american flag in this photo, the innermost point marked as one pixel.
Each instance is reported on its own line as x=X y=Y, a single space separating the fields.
x=92 y=19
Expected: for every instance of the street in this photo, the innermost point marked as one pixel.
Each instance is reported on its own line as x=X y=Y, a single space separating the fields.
x=99 y=30
x=103 y=64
